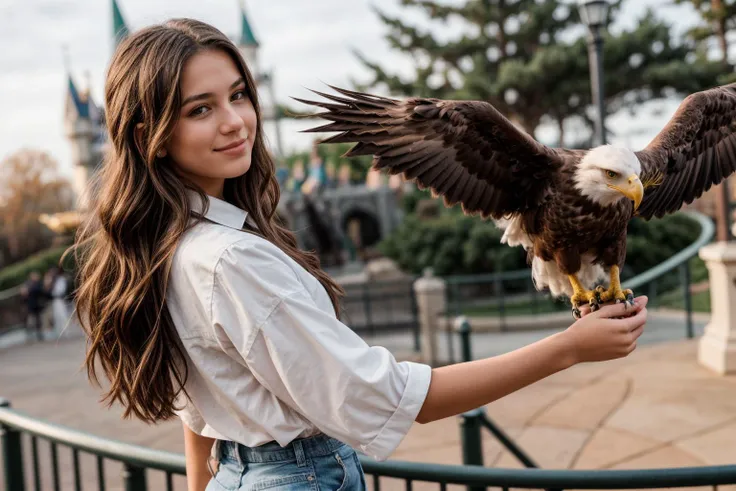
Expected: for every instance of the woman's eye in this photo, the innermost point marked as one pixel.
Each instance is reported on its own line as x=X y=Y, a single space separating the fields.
x=611 y=174
x=197 y=111
x=239 y=95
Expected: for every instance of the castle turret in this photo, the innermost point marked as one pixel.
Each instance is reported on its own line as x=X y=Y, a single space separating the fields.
x=119 y=27
x=248 y=44
x=78 y=126
x=78 y=129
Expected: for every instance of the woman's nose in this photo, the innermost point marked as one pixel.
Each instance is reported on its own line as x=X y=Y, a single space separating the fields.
x=231 y=120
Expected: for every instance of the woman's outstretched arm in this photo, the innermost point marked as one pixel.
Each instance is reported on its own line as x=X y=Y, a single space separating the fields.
x=599 y=336
x=297 y=349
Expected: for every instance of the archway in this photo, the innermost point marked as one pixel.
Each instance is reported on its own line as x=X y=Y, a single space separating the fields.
x=362 y=227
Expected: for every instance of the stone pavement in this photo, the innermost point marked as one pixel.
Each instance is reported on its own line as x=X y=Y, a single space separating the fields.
x=656 y=408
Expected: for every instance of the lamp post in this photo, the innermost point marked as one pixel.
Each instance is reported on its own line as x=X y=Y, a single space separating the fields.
x=275 y=115
x=594 y=14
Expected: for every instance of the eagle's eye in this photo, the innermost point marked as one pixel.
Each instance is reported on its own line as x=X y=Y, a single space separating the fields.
x=611 y=174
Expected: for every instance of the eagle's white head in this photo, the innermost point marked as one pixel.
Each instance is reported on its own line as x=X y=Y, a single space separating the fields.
x=608 y=173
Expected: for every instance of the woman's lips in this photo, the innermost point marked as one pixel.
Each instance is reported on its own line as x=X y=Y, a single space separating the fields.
x=234 y=148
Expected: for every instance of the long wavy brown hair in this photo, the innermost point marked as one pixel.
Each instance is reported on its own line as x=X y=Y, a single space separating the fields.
x=138 y=211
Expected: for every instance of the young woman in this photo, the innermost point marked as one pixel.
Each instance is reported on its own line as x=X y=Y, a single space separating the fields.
x=197 y=303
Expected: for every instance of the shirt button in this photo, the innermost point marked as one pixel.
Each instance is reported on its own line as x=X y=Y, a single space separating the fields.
x=310 y=478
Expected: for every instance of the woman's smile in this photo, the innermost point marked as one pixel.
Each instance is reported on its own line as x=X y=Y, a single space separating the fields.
x=235 y=149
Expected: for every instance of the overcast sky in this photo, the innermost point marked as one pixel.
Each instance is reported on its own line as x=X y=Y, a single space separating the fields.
x=306 y=44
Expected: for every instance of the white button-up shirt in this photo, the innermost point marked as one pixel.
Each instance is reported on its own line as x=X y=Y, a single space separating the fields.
x=267 y=357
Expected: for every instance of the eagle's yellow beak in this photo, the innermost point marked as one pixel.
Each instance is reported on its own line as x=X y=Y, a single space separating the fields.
x=633 y=189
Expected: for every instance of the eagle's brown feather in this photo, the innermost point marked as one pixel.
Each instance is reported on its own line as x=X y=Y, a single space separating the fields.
x=465 y=151
x=694 y=151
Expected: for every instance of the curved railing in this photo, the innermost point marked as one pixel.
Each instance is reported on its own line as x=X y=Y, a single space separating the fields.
x=12 y=311
x=644 y=282
x=680 y=261
x=497 y=288
x=707 y=231
x=137 y=460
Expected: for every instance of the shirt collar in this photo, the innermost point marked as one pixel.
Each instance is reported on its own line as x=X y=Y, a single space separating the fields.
x=220 y=211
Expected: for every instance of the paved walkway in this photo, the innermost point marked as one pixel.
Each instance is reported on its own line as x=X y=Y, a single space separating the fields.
x=656 y=408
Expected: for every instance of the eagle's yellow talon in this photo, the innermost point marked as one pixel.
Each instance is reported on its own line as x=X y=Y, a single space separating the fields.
x=615 y=292
x=581 y=296
x=595 y=302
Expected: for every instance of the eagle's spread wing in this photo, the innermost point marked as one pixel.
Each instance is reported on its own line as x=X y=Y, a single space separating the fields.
x=696 y=150
x=465 y=151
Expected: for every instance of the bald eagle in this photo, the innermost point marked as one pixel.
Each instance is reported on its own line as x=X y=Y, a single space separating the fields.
x=569 y=209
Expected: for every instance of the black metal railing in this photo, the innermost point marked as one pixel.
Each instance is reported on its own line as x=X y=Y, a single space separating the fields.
x=501 y=295
x=372 y=308
x=474 y=421
x=12 y=310
x=137 y=462
x=505 y=295
x=679 y=264
x=389 y=306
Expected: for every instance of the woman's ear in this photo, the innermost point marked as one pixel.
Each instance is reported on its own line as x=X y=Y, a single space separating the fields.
x=139 y=136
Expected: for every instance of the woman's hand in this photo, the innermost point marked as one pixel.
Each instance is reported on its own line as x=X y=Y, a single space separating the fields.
x=600 y=335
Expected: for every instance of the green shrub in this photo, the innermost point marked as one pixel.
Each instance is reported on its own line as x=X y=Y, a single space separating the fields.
x=450 y=244
x=17 y=273
x=652 y=242
x=409 y=200
x=457 y=244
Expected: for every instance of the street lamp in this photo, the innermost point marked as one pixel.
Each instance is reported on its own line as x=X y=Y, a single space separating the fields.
x=594 y=14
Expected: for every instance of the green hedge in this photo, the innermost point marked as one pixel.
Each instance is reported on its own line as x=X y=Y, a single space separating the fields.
x=650 y=243
x=450 y=245
x=17 y=273
x=454 y=244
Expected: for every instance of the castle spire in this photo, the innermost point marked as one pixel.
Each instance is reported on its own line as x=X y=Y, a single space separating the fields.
x=246 y=33
x=78 y=101
x=77 y=106
x=119 y=28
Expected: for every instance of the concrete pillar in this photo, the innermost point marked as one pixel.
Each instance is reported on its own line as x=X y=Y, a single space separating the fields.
x=717 y=349
x=80 y=185
x=430 y=295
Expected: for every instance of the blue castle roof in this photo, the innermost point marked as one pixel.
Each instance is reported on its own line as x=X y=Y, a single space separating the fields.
x=119 y=27
x=81 y=105
x=247 y=38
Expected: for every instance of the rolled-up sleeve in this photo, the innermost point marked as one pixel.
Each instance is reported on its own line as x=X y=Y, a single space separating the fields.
x=310 y=360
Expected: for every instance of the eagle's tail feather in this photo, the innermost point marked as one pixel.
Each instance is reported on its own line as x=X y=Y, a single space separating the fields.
x=546 y=274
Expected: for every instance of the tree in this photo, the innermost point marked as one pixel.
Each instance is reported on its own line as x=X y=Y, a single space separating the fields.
x=719 y=16
x=30 y=185
x=527 y=59
x=333 y=155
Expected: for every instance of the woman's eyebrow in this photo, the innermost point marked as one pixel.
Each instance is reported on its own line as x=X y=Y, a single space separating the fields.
x=207 y=95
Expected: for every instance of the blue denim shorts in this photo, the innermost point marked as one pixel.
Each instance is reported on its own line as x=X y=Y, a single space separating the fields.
x=315 y=463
